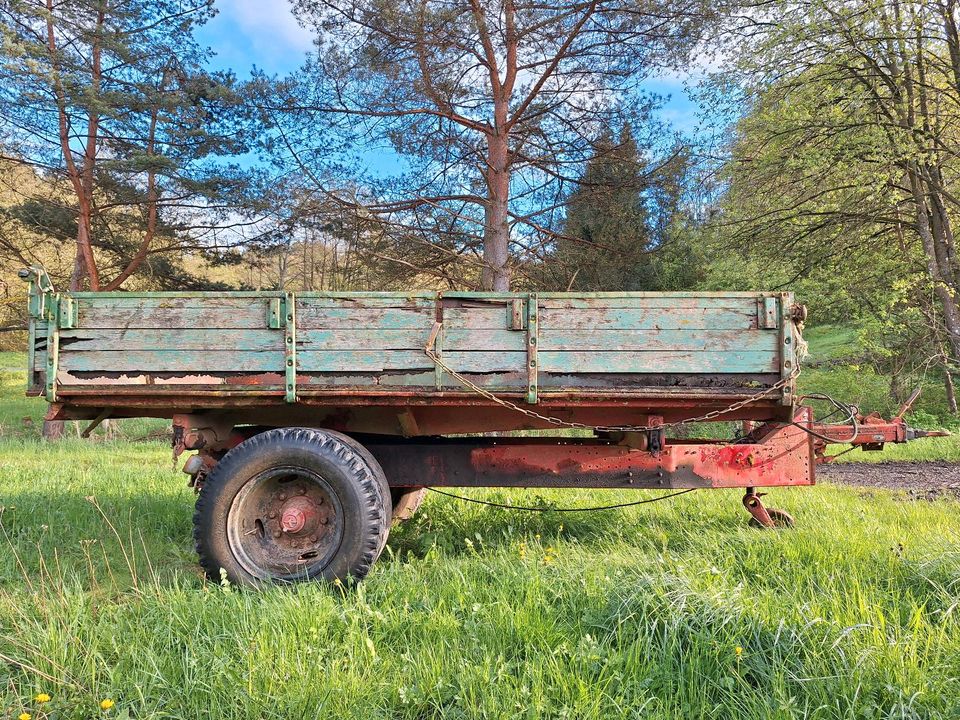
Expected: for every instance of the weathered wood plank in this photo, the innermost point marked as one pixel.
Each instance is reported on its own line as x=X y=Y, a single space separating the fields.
x=239 y=314
x=651 y=302
x=397 y=300
x=346 y=318
x=203 y=339
x=188 y=339
x=649 y=319
x=171 y=361
x=658 y=362
x=368 y=361
x=465 y=339
x=363 y=339
x=177 y=300
x=644 y=340
x=480 y=318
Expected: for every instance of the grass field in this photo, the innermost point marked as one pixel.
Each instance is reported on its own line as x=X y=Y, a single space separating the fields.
x=670 y=610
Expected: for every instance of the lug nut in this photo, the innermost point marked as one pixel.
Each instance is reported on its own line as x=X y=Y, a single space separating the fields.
x=276 y=533
x=273 y=516
x=282 y=496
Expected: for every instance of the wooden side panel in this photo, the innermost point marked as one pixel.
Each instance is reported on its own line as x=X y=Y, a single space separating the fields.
x=361 y=336
x=159 y=339
x=665 y=334
x=478 y=338
x=375 y=342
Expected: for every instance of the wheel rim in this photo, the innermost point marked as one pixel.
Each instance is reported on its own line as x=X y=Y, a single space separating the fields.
x=285 y=524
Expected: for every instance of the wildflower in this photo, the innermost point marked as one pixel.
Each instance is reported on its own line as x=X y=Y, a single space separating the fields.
x=738 y=651
x=522 y=550
x=24 y=716
x=106 y=704
x=42 y=698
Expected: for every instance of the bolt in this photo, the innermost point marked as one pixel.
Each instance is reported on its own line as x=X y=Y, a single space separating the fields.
x=273 y=516
x=276 y=533
x=282 y=496
x=314 y=538
x=301 y=491
x=324 y=521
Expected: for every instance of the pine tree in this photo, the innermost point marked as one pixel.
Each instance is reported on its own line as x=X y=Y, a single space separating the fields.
x=617 y=217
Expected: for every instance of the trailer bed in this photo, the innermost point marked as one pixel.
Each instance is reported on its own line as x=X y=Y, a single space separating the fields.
x=589 y=357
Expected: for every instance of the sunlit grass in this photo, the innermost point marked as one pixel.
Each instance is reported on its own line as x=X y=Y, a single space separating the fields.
x=670 y=610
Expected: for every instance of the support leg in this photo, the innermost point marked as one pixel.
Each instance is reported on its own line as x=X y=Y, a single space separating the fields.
x=764 y=517
x=751 y=501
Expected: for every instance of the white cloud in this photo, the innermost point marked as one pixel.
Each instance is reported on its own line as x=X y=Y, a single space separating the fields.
x=258 y=32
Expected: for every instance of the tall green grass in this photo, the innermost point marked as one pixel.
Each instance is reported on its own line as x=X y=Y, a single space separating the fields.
x=671 y=610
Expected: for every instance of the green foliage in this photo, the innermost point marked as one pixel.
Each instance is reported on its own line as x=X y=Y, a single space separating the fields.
x=151 y=165
x=623 y=228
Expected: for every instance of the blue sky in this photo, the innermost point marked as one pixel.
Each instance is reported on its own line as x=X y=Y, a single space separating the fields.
x=264 y=34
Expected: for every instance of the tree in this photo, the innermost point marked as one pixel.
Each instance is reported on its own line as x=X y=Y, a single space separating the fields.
x=617 y=218
x=846 y=162
x=111 y=99
x=489 y=108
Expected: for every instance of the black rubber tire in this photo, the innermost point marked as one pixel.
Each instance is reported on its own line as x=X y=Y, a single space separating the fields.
x=359 y=488
x=377 y=471
x=782 y=520
x=406 y=502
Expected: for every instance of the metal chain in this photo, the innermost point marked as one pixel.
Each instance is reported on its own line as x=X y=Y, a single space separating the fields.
x=558 y=422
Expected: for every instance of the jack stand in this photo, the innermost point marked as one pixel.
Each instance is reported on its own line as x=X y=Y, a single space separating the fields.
x=751 y=501
x=763 y=517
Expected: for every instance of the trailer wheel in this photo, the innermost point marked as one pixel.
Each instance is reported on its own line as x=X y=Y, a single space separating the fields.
x=406 y=502
x=292 y=504
x=781 y=519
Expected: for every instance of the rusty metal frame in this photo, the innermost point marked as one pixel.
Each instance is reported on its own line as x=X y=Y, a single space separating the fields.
x=776 y=455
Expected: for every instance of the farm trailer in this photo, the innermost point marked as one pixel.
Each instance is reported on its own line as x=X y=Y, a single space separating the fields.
x=319 y=418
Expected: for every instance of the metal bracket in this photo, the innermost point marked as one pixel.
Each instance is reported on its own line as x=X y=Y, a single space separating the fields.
x=290 y=345
x=275 y=312
x=767 y=312
x=67 y=312
x=533 y=334
x=515 y=319
x=53 y=348
x=788 y=345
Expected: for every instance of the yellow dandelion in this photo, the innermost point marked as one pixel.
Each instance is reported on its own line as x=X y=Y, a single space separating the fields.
x=106 y=704
x=42 y=698
x=24 y=716
x=738 y=651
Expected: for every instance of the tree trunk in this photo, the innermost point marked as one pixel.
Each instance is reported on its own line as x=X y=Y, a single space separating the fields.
x=496 y=232
x=951 y=313
x=951 y=393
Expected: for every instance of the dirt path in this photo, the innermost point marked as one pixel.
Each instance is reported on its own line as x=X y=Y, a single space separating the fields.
x=922 y=480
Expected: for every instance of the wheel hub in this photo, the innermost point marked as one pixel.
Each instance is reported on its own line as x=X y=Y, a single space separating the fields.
x=284 y=523
x=299 y=515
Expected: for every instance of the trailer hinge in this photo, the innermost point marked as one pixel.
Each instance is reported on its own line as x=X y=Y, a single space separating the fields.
x=290 y=345
x=533 y=332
